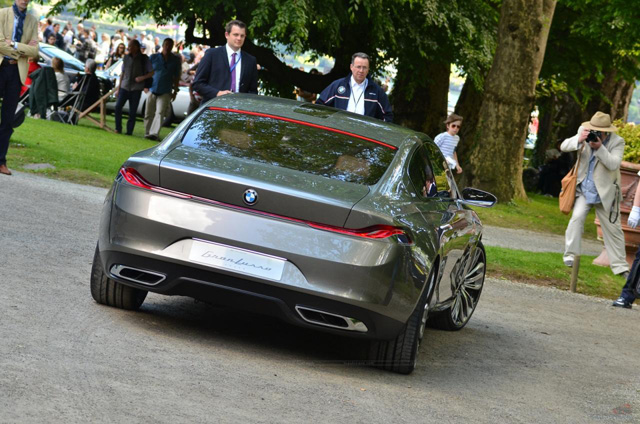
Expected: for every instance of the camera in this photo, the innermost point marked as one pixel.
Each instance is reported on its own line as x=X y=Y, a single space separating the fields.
x=593 y=136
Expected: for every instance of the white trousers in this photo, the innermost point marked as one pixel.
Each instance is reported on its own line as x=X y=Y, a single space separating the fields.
x=155 y=112
x=612 y=232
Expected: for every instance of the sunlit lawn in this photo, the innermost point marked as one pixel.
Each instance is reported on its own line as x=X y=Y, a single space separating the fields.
x=539 y=213
x=547 y=269
x=84 y=153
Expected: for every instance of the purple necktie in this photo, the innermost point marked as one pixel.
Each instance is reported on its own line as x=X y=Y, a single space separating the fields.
x=233 y=72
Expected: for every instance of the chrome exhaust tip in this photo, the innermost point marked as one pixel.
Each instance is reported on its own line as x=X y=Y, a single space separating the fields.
x=327 y=319
x=136 y=275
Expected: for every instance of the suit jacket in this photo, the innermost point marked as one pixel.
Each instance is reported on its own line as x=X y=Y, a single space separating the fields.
x=606 y=173
x=213 y=74
x=24 y=50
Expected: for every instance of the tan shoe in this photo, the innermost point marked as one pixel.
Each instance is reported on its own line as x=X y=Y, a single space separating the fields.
x=4 y=170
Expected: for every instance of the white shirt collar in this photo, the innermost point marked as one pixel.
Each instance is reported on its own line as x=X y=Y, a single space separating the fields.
x=230 y=51
x=354 y=84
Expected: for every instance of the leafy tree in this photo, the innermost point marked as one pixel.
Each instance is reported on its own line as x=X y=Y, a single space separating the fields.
x=421 y=37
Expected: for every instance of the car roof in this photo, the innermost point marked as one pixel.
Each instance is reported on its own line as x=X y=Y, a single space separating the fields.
x=320 y=115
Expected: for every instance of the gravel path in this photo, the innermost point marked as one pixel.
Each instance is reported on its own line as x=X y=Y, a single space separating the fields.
x=529 y=355
x=534 y=242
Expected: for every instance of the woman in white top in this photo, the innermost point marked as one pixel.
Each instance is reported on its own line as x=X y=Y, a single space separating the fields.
x=63 y=80
x=448 y=141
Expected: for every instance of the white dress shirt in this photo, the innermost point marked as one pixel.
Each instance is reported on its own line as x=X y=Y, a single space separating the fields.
x=238 y=69
x=356 y=99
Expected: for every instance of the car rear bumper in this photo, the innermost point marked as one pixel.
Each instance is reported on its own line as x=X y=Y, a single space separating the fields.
x=232 y=291
x=362 y=280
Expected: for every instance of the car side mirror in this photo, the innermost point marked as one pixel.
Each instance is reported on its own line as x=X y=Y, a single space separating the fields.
x=475 y=197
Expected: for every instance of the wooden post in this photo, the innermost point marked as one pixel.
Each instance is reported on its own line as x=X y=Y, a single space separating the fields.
x=574 y=273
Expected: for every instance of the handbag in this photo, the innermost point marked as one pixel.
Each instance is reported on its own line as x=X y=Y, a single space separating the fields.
x=568 y=193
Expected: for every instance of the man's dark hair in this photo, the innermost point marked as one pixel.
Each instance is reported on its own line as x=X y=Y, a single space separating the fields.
x=135 y=42
x=50 y=21
x=361 y=56
x=169 y=40
x=235 y=22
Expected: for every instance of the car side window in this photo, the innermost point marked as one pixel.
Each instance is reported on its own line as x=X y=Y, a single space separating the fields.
x=421 y=175
x=442 y=174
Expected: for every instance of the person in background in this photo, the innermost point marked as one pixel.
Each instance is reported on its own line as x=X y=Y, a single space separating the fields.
x=227 y=69
x=306 y=96
x=104 y=48
x=59 y=37
x=33 y=65
x=598 y=186
x=63 y=80
x=136 y=68
x=631 y=289
x=51 y=40
x=48 y=30
x=448 y=141
x=18 y=42
x=91 y=85
x=358 y=93
x=164 y=89
x=118 y=54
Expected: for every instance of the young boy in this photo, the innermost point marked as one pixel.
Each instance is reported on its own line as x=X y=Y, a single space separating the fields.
x=448 y=141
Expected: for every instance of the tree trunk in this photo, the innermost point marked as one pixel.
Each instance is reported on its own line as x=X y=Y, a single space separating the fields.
x=420 y=97
x=509 y=93
x=468 y=106
x=616 y=97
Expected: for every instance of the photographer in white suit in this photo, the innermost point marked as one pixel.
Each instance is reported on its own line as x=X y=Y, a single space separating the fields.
x=598 y=185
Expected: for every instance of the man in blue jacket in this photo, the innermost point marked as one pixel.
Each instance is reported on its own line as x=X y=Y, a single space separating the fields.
x=357 y=93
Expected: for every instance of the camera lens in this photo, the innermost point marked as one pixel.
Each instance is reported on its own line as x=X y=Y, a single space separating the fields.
x=592 y=137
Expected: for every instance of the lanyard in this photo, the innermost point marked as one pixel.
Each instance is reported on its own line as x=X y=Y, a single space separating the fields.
x=231 y=68
x=355 y=106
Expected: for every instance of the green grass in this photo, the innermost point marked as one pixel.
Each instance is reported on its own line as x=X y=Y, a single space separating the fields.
x=84 y=153
x=538 y=213
x=547 y=269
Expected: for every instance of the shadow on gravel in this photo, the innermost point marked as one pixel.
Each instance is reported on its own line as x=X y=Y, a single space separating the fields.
x=443 y=355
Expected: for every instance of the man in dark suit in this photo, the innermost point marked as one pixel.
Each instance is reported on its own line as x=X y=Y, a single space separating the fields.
x=227 y=69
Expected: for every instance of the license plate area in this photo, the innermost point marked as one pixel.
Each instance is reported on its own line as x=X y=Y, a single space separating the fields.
x=238 y=260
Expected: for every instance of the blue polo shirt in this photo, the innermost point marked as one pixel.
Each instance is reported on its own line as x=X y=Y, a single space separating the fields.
x=164 y=72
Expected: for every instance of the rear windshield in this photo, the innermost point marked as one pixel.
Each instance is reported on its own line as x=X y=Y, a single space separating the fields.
x=290 y=145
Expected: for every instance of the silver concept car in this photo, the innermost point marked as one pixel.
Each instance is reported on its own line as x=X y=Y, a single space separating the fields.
x=326 y=219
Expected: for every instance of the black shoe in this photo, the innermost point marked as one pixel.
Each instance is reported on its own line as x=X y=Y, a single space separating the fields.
x=621 y=302
x=151 y=137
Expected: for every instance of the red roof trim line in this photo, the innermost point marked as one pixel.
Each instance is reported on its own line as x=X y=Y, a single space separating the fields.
x=134 y=178
x=308 y=124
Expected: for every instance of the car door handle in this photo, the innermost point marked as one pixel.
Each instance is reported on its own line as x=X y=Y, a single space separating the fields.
x=445 y=227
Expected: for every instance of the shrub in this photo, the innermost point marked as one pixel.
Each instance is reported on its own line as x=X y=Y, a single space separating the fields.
x=631 y=134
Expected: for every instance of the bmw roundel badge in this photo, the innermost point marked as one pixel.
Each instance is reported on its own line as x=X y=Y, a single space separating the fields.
x=250 y=196
x=341 y=90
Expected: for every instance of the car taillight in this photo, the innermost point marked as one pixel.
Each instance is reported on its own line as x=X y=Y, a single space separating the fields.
x=134 y=178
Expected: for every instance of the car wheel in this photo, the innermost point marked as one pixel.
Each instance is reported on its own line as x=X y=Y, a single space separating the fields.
x=400 y=355
x=466 y=293
x=109 y=292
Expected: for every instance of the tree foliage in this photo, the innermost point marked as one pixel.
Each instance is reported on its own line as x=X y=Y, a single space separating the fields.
x=452 y=31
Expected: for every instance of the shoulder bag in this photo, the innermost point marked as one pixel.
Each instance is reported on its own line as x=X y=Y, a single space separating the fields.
x=568 y=193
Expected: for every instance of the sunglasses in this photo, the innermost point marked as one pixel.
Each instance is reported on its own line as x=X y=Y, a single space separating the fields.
x=454 y=125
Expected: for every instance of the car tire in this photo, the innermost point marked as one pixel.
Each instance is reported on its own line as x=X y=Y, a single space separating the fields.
x=466 y=294
x=400 y=355
x=111 y=293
